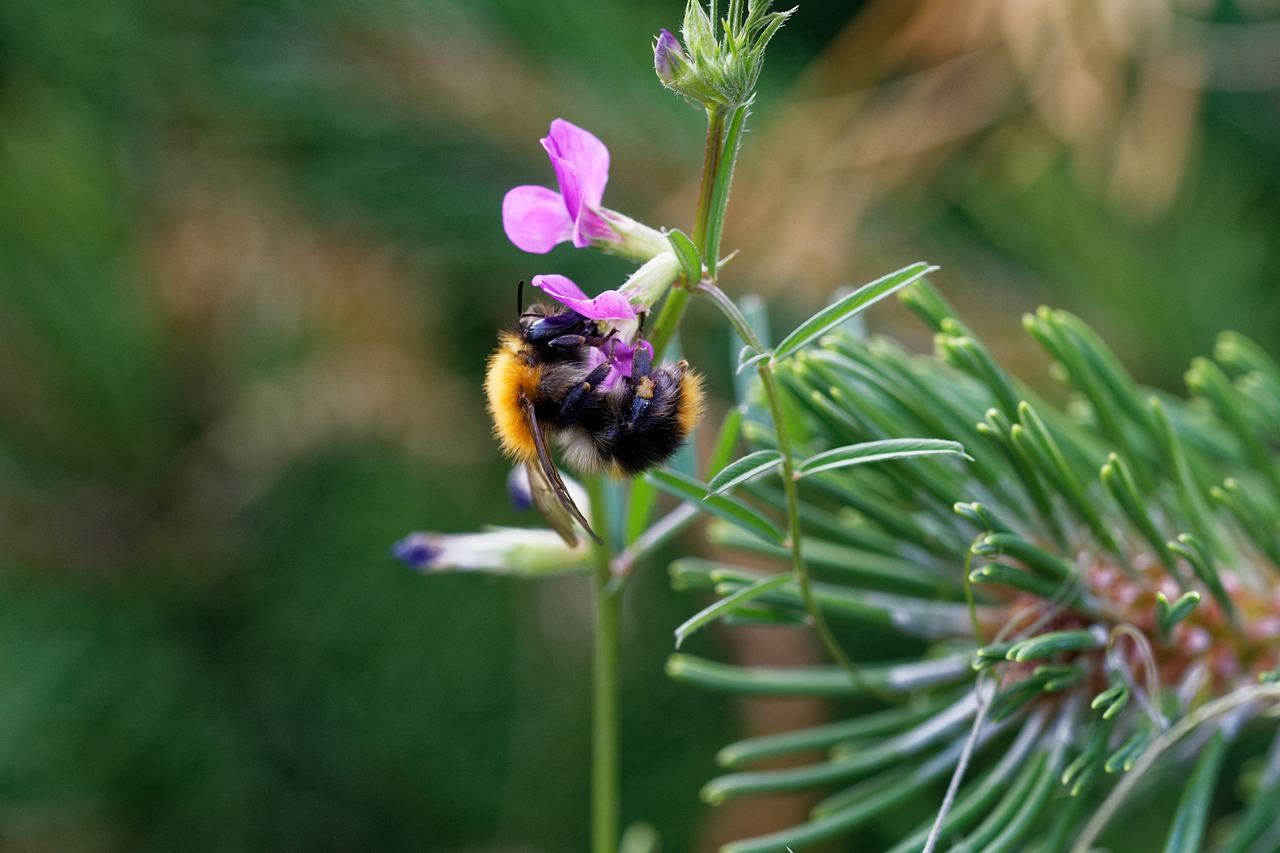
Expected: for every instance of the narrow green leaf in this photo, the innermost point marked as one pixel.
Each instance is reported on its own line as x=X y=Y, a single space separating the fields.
x=1260 y=817
x=742 y=470
x=849 y=763
x=687 y=254
x=748 y=357
x=1023 y=802
x=877 y=451
x=730 y=509
x=1210 y=382
x=833 y=315
x=983 y=517
x=998 y=573
x=1197 y=555
x=762 y=616
x=728 y=605
x=1251 y=515
x=864 y=800
x=990 y=655
x=1038 y=560
x=640 y=506
x=860 y=565
x=1169 y=614
x=1190 y=495
x=1191 y=817
x=1128 y=753
x=1034 y=438
x=820 y=737
x=1047 y=645
x=817 y=681
x=720 y=186
x=977 y=800
x=966 y=354
x=1119 y=481
x=925 y=618
x=726 y=440
x=1079 y=771
x=1113 y=700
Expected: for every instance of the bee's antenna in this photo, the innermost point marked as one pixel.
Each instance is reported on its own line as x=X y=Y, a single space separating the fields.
x=520 y=298
x=640 y=330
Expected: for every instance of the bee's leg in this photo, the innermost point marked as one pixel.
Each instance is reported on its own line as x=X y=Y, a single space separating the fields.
x=640 y=386
x=641 y=363
x=581 y=394
x=574 y=341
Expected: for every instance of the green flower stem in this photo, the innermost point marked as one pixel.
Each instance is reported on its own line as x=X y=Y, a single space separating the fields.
x=791 y=491
x=724 y=139
x=605 y=683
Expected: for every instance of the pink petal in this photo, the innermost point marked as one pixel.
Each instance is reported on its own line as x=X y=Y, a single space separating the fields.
x=535 y=219
x=623 y=356
x=610 y=305
x=568 y=143
x=581 y=164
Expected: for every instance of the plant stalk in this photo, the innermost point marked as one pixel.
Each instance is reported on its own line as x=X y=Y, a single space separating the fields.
x=605 y=684
x=791 y=491
x=724 y=138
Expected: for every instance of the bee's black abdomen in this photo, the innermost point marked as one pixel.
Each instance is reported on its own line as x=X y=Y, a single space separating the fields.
x=649 y=437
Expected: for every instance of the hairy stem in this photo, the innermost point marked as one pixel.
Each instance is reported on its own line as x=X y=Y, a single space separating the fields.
x=791 y=491
x=724 y=138
x=605 y=684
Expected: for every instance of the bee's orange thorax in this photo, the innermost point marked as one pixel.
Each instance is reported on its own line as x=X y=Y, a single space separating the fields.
x=510 y=373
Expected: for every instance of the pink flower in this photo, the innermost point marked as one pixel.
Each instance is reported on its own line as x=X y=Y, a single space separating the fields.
x=619 y=356
x=610 y=305
x=536 y=218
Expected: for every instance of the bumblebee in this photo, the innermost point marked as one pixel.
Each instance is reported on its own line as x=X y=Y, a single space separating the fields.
x=557 y=378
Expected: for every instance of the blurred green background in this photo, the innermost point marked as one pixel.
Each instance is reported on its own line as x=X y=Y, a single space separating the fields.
x=251 y=263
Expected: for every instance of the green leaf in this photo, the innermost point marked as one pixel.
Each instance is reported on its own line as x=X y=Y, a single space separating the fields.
x=730 y=509
x=640 y=505
x=833 y=315
x=726 y=440
x=1047 y=645
x=998 y=573
x=687 y=254
x=1113 y=699
x=748 y=357
x=728 y=605
x=889 y=721
x=817 y=681
x=877 y=451
x=738 y=472
x=1169 y=614
x=1192 y=814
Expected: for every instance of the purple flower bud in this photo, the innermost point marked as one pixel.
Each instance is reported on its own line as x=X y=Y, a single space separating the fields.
x=669 y=58
x=518 y=489
x=417 y=551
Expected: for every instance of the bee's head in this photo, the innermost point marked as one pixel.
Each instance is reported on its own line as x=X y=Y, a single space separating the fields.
x=540 y=324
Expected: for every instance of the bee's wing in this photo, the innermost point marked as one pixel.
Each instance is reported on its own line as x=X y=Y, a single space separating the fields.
x=549 y=493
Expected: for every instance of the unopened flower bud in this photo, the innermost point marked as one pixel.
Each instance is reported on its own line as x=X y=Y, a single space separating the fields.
x=669 y=59
x=500 y=550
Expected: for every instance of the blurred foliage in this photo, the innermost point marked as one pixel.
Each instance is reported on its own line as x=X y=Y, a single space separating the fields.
x=250 y=267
